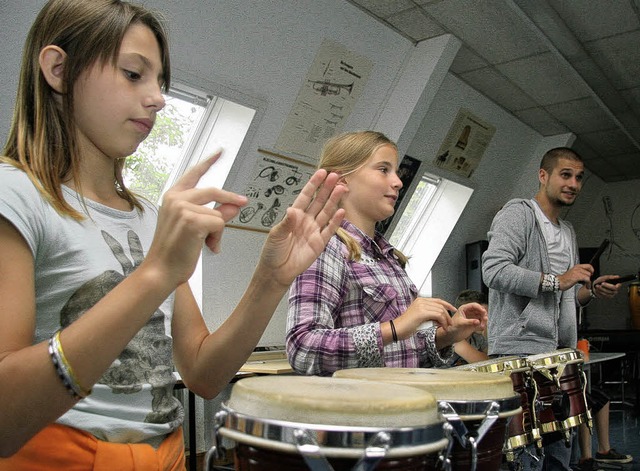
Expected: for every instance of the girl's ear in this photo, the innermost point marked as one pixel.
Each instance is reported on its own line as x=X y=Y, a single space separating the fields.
x=52 y=60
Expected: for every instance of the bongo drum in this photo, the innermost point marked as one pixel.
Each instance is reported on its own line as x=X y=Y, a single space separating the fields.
x=319 y=423
x=476 y=408
x=560 y=396
x=521 y=431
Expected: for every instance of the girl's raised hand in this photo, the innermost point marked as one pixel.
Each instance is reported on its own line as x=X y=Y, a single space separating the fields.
x=185 y=222
x=295 y=242
x=469 y=318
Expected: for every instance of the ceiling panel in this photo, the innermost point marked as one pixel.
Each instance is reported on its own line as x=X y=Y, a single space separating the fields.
x=467 y=60
x=596 y=19
x=618 y=57
x=558 y=65
x=415 y=25
x=582 y=115
x=497 y=87
x=553 y=84
x=542 y=121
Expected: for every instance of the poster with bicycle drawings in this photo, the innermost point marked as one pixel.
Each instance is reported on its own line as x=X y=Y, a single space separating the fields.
x=273 y=185
x=334 y=82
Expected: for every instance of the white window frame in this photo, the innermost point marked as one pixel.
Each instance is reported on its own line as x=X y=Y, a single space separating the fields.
x=207 y=138
x=430 y=227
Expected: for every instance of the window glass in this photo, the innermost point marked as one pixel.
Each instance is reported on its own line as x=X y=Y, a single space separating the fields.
x=190 y=127
x=148 y=170
x=426 y=223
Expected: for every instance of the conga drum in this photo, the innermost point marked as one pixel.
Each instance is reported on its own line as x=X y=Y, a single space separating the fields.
x=521 y=431
x=309 y=422
x=476 y=408
x=560 y=385
x=634 y=304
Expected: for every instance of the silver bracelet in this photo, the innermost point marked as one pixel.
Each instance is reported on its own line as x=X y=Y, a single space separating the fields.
x=550 y=283
x=64 y=370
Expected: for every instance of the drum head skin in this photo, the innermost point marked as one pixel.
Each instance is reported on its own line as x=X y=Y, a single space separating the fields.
x=445 y=384
x=333 y=401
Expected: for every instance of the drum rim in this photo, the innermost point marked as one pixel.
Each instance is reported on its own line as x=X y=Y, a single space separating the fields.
x=513 y=364
x=553 y=359
x=333 y=452
x=267 y=430
x=475 y=409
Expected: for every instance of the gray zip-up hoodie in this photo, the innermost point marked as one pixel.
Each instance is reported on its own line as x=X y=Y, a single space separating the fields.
x=522 y=319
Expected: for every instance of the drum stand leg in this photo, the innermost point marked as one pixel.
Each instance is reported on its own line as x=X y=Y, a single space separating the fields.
x=311 y=452
x=462 y=433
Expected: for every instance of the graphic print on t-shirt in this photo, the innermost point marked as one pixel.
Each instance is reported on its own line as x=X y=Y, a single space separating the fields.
x=147 y=357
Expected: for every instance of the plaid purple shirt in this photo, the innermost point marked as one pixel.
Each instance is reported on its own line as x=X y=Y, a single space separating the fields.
x=336 y=307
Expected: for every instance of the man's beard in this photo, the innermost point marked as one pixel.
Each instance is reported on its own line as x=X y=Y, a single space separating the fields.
x=562 y=203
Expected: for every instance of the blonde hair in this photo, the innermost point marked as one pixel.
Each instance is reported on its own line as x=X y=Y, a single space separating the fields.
x=346 y=153
x=42 y=139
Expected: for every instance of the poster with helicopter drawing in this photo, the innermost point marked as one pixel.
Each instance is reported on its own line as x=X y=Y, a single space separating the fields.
x=326 y=98
x=465 y=144
x=272 y=186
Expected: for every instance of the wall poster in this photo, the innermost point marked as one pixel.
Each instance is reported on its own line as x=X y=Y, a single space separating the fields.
x=275 y=182
x=332 y=86
x=465 y=144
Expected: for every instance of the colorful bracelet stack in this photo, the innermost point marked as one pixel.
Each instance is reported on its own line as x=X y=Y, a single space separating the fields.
x=550 y=283
x=64 y=370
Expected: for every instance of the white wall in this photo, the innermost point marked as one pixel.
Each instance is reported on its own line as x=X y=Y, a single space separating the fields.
x=510 y=151
x=623 y=256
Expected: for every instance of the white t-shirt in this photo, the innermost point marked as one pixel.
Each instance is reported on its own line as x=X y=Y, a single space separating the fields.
x=561 y=252
x=75 y=264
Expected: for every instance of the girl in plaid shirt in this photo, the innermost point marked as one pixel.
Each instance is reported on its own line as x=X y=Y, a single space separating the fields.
x=355 y=306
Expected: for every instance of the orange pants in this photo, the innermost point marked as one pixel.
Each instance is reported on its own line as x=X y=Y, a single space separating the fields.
x=58 y=447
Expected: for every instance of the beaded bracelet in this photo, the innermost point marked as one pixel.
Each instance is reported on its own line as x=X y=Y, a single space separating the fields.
x=550 y=283
x=64 y=369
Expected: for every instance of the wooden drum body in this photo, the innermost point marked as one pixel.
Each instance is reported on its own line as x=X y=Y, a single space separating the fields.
x=476 y=408
x=560 y=391
x=308 y=422
x=521 y=430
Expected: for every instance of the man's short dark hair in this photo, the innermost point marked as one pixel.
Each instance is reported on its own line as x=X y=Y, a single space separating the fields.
x=471 y=296
x=551 y=157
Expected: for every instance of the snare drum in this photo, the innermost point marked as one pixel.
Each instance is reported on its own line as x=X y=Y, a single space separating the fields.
x=521 y=431
x=560 y=382
x=476 y=407
x=309 y=422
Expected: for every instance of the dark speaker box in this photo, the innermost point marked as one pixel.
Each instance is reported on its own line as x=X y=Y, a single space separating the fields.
x=474 y=265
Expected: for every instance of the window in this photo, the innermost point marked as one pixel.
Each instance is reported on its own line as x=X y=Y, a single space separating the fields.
x=191 y=126
x=426 y=223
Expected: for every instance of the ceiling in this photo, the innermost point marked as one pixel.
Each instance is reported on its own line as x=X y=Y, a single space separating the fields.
x=557 y=65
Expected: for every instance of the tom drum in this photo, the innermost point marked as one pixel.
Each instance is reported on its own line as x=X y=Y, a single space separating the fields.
x=476 y=408
x=560 y=391
x=309 y=422
x=521 y=430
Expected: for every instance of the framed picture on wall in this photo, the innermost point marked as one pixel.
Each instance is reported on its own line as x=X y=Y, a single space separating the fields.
x=275 y=182
x=407 y=171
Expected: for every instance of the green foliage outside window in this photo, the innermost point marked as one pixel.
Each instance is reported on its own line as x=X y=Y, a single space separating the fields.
x=147 y=171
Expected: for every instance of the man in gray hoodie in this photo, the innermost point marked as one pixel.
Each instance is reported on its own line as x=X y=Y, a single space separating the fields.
x=535 y=278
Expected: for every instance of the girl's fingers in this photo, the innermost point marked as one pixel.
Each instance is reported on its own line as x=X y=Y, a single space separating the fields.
x=192 y=176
